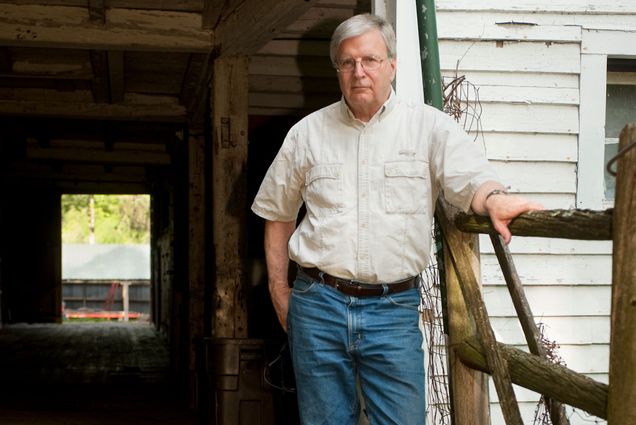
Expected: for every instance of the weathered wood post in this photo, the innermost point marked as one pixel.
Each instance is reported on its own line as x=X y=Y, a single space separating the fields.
x=469 y=283
x=622 y=376
x=196 y=252
x=468 y=387
x=229 y=193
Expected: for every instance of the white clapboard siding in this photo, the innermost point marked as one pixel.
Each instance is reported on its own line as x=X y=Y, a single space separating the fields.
x=535 y=245
x=513 y=56
x=490 y=26
x=592 y=7
x=546 y=177
x=530 y=118
x=546 y=269
x=551 y=301
x=513 y=79
x=565 y=330
x=553 y=201
x=531 y=146
x=522 y=62
x=529 y=95
x=537 y=22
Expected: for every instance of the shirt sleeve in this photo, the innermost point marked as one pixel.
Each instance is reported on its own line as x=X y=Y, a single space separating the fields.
x=459 y=165
x=279 y=196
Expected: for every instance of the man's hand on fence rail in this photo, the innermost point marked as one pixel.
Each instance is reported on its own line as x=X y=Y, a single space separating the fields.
x=493 y=199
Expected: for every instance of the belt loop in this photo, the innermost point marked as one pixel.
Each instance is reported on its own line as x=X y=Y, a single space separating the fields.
x=385 y=289
x=322 y=276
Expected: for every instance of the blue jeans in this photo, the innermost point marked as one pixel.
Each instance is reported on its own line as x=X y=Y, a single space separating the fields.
x=337 y=338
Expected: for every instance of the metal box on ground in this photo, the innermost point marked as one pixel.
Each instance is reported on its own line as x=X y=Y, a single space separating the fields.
x=237 y=391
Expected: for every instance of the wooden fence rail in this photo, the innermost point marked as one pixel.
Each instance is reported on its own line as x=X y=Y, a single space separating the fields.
x=508 y=365
x=565 y=224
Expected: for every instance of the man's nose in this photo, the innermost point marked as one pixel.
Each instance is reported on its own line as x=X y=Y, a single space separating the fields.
x=358 y=69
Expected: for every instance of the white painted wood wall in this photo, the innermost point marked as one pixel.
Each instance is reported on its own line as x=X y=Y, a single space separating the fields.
x=543 y=120
x=540 y=68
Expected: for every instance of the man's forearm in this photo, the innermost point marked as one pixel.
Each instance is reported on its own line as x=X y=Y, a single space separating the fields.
x=277 y=234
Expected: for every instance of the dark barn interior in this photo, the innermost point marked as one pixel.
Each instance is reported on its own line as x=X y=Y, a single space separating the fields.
x=184 y=100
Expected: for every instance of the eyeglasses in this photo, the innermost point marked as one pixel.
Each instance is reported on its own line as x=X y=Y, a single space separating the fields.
x=368 y=63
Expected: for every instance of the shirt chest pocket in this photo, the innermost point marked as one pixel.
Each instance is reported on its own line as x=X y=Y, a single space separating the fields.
x=324 y=190
x=406 y=186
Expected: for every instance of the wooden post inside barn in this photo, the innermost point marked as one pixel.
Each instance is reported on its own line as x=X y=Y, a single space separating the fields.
x=229 y=193
x=622 y=374
x=196 y=247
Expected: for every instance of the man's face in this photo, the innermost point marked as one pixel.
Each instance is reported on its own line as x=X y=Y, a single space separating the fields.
x=365 y=90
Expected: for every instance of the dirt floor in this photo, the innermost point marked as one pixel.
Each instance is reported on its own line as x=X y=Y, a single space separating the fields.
x=108 y=373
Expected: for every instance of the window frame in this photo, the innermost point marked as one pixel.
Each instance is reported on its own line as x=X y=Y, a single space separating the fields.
x=596 y=47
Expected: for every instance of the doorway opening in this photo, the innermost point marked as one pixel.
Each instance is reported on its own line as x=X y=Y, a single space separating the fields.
x=106 y=258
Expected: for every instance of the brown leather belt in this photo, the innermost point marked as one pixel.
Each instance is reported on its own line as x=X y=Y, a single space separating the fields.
x=361 y=289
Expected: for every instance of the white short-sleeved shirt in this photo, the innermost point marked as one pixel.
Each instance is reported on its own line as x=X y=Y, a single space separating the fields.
x=370 y=188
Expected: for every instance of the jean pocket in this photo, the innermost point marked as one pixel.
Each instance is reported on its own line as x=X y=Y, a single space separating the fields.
x=408 y=299
x=303 y=285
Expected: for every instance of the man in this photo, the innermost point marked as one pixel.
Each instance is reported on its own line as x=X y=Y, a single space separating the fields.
x=368 y=169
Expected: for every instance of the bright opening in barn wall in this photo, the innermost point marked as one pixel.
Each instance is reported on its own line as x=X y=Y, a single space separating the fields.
x=106 y=257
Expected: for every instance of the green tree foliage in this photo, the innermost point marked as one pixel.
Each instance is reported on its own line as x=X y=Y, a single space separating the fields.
x=119 y=219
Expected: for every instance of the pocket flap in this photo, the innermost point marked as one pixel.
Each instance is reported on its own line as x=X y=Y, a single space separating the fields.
x=324 y=171
x=406 y=169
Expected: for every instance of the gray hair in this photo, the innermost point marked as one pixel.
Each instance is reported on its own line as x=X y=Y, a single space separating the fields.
x=361 y=24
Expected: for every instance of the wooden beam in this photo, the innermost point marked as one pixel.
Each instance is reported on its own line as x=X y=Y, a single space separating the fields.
x=296 y=85
x=71 y=27
x=196 y=88
x=116 y=75
x=100 y=84
x=77 y=172
x=229 y=174
x=180 y=5
x=196 y=249
x=566 y=224
x=96 y=11
x=264 y=19
x=165 y=111
x=320 y=21
x=302 y=66
x=294 y=101
x=5 y=61
x=622 y=376
x=91 y=156
x=216 y=10
x=542 y=376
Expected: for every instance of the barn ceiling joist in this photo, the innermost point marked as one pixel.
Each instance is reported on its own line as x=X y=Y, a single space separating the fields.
x=150 y=62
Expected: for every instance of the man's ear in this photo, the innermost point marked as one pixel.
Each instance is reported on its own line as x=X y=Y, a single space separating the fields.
x=393 y=64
